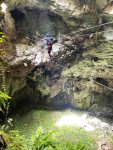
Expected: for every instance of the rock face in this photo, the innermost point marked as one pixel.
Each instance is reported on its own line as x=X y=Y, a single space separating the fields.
x=80 y=74
x=85 y=84
x=52 y=16
x=9 y=26
x=29 y=21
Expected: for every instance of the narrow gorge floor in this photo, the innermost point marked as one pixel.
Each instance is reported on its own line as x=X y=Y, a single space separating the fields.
x=72 y=124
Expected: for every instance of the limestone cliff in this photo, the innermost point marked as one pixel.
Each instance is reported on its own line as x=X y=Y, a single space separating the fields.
x=48 y=15
x=80 y=73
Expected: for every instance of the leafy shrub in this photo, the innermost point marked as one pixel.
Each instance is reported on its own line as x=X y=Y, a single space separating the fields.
x=4 y=139
x=4 y=106
x=40 y=141
x=13 y=140
x=43 y=141
x=18 y=142
x=3 y=99
x=50 y=141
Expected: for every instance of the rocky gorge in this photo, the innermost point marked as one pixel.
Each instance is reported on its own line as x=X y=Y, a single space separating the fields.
x=68 y=78
x=80 y=73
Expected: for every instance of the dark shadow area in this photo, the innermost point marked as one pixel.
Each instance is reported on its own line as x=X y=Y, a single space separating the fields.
x=17 y=15
x=102 y=81
x=30 y=21
x=21 y=22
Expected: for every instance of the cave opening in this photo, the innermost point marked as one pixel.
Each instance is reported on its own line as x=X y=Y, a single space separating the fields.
x=17 y=15
x=37 y=19
x=20 y=21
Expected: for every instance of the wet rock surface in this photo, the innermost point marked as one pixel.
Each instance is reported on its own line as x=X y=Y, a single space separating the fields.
x=66 y=80
x=79 y=73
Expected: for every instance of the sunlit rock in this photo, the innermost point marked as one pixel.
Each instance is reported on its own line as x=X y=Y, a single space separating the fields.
x=4 y=7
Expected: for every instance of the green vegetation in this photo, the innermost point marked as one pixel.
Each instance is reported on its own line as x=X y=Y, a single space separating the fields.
x=3 y=95
x=41 y=140
x=13 y=140
x=3 y=99
x=28 y=121
x=78 y=135
x=2 y=37
x=96 y=62
x=4 y=106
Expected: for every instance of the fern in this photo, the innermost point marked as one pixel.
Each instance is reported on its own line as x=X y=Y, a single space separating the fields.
x=80 y=146
x=41 y=140
x=4 y=98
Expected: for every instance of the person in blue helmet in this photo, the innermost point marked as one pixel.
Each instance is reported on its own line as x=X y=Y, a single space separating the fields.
x=49 y=43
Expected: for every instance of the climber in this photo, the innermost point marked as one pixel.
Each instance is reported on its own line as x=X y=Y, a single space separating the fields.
x=49 y=43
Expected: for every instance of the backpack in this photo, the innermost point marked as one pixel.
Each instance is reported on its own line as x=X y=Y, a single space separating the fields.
x=48 y=41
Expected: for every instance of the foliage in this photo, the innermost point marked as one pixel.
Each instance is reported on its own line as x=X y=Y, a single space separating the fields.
x=3 y=98
x=40 y=141
x=82 y=139
x=86 y=139
x=2 y=37
x=4 y=105
x=71 y=146
x=43 y=141
x=13 y=140
x=18 y=142
x=5 y=137
x=2 y=40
